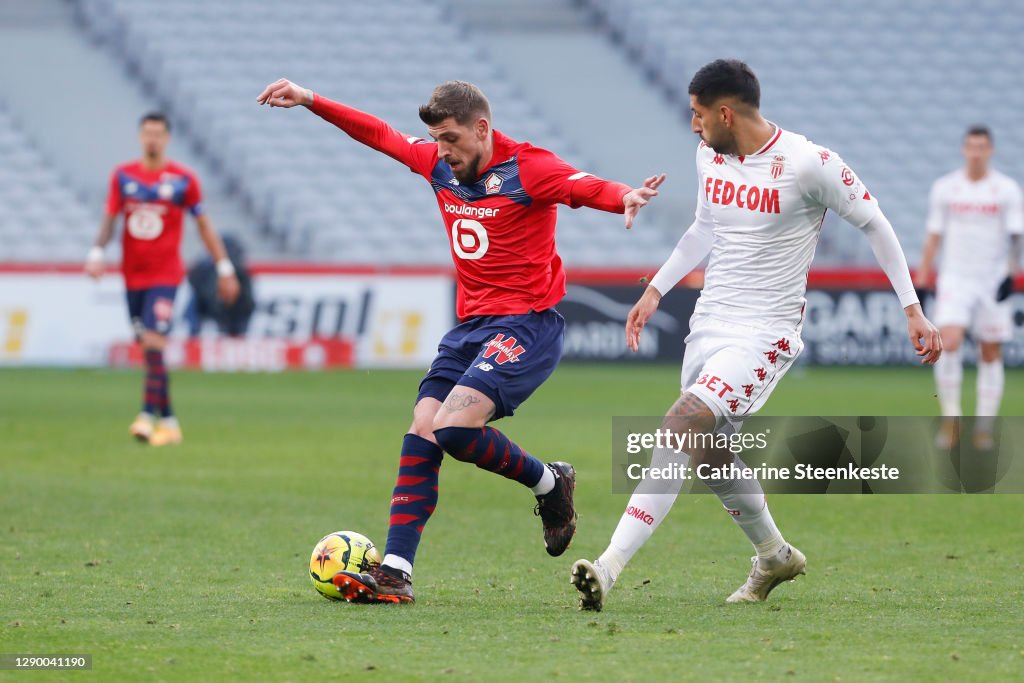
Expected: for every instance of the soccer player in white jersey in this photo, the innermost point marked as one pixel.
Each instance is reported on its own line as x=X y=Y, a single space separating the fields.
x=762 y=195
x=975 y=214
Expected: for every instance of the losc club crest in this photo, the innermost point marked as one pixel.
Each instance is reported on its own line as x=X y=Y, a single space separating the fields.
x=778 y=166
x=493 y=183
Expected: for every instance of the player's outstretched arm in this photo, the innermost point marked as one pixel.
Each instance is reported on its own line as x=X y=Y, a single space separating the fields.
x=637 y=198
x=227 y=280
x=94 y=266
x=414 y=152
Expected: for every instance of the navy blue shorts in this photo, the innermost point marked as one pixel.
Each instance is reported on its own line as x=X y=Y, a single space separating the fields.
x=151 y=309
x=506 y=357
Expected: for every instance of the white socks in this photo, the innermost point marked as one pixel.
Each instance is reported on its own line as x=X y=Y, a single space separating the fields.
x=990 y=394
x=990 y=387
x=546 y=483
x=397 y=563
x=648 y=506
x=949 y=375
x=744 y=500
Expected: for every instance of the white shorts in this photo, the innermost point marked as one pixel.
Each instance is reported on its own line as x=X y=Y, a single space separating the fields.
x=733 y=368
x=961 y=301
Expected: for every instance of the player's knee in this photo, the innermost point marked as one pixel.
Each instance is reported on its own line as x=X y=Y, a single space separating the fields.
x=153 y=340
x=423 y=419
x=952 y=338
x=990 y=353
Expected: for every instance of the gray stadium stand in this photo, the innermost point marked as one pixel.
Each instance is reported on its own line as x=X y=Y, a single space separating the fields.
x=891 y=86
x=40 y=215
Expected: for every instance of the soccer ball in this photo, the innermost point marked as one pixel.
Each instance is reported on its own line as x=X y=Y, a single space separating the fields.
x=340 y=551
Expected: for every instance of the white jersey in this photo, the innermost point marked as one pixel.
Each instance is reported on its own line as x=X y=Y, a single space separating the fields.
x=766 y=212
x=976 y=219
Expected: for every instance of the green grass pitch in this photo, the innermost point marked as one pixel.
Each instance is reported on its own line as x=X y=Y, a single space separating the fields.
x=189 y=563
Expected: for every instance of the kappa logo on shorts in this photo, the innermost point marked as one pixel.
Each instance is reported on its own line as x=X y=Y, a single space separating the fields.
x=782 y=345
x=748 y=389
x=773 y=356
x=734 y=403
x=504 y=350
x=761 y=373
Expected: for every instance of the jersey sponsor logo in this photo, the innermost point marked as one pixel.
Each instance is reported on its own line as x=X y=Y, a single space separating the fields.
x=503 y=350
x=778 y=166
x=969 y=207
x=749 y=197
x=470 y=210
x=493 y=184
x=145 y=223
x=641 y=514
x=469 y=239
x=848 y=177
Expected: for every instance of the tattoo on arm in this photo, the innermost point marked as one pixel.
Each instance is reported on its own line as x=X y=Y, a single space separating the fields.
x=456 y=402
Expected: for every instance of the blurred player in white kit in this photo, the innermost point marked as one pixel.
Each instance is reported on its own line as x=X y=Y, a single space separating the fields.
x=762 y=195
x=975 y=214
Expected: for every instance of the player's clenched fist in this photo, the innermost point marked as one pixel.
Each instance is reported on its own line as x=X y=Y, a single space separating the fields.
x=284 y=93
x=639 y=315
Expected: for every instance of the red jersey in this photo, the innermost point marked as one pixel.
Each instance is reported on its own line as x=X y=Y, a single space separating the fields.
x=501 y=228
x=153 y=203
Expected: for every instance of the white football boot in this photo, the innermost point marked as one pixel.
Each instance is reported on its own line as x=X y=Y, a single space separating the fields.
x=766 y=575
x=593 y=581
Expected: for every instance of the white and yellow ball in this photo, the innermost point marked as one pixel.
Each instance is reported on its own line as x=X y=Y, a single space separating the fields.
x=340 y=551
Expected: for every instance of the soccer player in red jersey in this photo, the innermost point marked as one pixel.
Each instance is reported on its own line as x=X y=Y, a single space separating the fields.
x=153 y=193
x=498 y=199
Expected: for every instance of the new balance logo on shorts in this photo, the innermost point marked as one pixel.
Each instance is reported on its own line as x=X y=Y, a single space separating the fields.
x=503 y=350
x=486 y=367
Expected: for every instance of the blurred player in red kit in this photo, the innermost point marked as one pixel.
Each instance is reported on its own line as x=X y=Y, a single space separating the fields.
x=153 y=193
x=498 y=198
